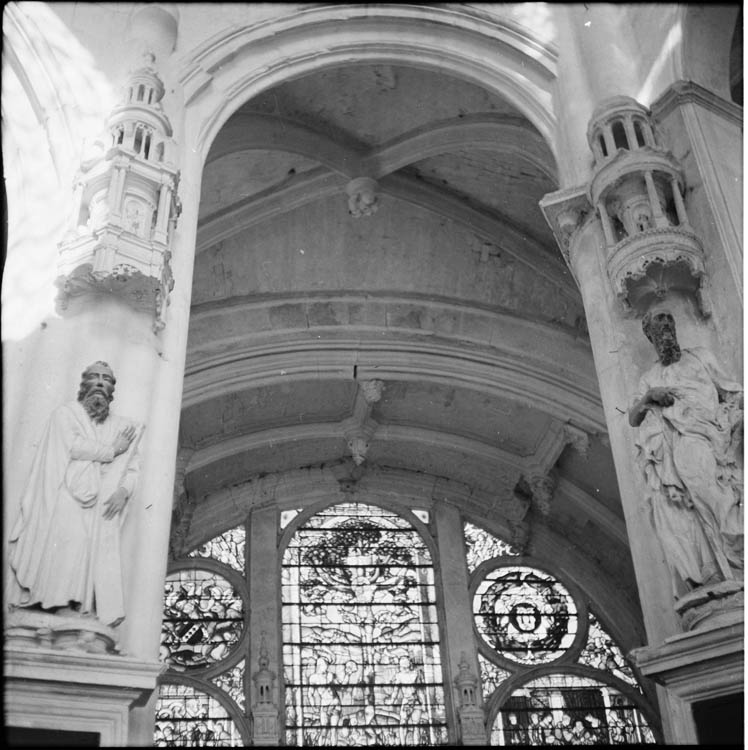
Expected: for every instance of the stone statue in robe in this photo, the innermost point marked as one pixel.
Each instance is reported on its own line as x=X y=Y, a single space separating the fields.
x=690 y=420
x=64 y=548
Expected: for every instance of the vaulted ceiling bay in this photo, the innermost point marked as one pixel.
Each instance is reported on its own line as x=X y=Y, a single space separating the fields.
x=452 y=295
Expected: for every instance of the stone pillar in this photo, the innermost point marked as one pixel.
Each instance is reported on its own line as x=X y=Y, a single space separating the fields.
x=705 y=133
x=264 y=620
x=619 y=354
x=149 y=367
x=458 y=640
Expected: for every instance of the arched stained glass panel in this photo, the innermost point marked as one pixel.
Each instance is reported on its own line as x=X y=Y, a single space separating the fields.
x=186 y=717
x=602 y=652
x=565 y=709
x=481 y=545
x=232 y=682
x=203 y=618
x=360 y=633
x=491 y=676
x=524 y=614
x=227 y=548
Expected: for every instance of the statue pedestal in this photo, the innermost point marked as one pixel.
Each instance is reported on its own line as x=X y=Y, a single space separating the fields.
x=695 y=667
x=71 y=690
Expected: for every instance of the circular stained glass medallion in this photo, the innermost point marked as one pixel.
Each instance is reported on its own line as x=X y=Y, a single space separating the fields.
x=524 y=614
x=203 y=618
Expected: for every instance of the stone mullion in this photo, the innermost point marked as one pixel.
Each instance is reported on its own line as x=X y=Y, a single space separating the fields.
x=456 y=633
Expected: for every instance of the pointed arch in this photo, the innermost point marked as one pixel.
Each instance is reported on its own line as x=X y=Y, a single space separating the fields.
x=496 y=53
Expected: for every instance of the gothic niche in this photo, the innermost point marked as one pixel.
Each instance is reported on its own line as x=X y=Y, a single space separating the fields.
x=126 y=206
x=637 y=189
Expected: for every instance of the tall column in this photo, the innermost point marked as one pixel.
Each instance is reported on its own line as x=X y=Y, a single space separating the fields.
x=459 y=651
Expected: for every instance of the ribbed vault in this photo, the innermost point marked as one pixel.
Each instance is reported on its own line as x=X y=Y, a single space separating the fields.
x=433 y=351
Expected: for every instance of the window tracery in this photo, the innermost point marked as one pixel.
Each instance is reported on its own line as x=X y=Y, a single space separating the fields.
x=481 y=546
x=227 y=548
x=202 y=697
x=360 y=632
x=186 y=716
x=232 y=682
x=203 y=618
x=602 y=652
x=491 y=676
x=567 y=709
x=525 y=619
x=525 y=615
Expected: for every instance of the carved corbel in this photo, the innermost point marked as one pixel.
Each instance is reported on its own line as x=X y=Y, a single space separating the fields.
x=577 y=438
x=542 y=487
x=358 y=444
x=516 y=510
x=359 y=429
x=363 y=197
x=566 y=211
x=372 y=390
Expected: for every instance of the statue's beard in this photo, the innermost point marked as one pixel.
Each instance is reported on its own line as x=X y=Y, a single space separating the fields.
x=669 y=352
x=96 y=405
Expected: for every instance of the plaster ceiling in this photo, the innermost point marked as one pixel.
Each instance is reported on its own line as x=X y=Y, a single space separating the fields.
x=453 y=295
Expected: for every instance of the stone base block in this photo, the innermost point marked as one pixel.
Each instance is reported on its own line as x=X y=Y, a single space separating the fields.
x=76 y=691
x=697 y=666
x=711 y=606
x=28 y=628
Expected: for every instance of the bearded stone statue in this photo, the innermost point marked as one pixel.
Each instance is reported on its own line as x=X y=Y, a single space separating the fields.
x=64 y=549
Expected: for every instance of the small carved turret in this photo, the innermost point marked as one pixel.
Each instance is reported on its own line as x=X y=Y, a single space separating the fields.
x=637 y=189
x=126 y=205
x=264 y=711
x=472 y=720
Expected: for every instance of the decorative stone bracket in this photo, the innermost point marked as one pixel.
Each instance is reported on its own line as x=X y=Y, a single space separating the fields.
x=360 y=427
x=537 y=478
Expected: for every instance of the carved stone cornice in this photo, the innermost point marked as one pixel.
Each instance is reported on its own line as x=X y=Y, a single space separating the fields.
x=688 y=92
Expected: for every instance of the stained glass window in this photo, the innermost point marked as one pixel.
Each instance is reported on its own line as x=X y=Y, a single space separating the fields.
x=491 y=676
x=227 y=548
x=524 y=614
x=232 y=682
x=360 y=633
x=186 y=717
x=602 y=652
x=203 y=618
x=482 y=545
x=563 y=709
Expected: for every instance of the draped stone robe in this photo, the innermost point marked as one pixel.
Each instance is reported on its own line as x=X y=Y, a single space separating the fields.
x=690 y=453
x=61 y=549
